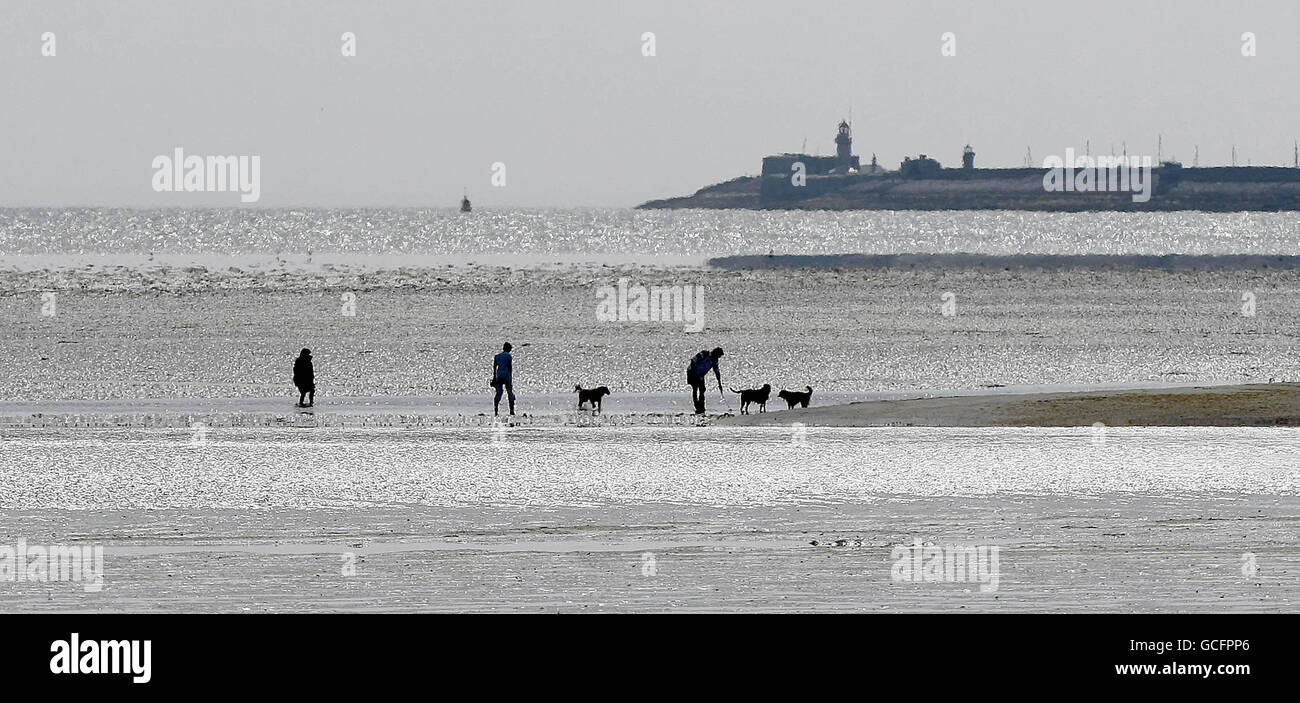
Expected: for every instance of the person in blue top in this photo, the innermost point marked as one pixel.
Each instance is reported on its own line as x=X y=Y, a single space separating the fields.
x=503 y=378
x=700 y=366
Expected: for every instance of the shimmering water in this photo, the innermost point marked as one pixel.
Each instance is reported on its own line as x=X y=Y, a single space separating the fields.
x=432 y=332
x=660 y=236
x=215 y=303
x=553 y=467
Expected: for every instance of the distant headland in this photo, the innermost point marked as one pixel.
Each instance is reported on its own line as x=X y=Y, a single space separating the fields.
x=1077 y=183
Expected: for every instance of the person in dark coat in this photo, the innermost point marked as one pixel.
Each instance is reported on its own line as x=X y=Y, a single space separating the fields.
x=699 y=367
x=304 y=377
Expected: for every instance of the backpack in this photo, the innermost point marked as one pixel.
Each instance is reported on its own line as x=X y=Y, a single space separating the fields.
x=695 y=362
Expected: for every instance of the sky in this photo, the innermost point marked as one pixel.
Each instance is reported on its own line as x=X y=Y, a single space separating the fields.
x=561 y=93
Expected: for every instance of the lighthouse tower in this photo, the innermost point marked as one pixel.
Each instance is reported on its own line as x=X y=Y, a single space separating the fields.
x=843 y=145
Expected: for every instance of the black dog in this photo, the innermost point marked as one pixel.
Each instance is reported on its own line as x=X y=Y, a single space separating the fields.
x=590 y=395
x=793 y=398
x=754 y=395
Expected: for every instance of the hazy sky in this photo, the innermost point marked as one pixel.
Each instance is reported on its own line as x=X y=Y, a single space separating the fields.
x=560 y=93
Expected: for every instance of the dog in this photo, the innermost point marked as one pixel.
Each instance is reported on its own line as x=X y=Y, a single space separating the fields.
x=757 y=396
x=590 y=395
x=793 y=398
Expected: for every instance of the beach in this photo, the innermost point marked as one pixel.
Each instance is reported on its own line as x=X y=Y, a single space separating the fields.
x=655 y=519
x=1097 y=554
x=1106 y=433
x=1223 y=406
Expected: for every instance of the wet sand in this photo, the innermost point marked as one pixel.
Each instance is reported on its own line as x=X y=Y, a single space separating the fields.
x=1110 y=553
x=199 y=333
x=1260 y=404
x=1271 y=404
x=414 y=538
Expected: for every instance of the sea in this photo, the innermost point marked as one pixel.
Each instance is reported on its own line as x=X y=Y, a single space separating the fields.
x=414 y=303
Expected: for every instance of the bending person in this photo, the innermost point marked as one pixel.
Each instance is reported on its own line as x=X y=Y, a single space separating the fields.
x=699 y=367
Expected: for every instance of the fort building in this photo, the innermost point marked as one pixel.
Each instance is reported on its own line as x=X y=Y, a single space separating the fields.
x=843 y=162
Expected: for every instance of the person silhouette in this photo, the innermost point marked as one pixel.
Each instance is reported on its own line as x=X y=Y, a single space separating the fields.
x=304 y=377
x=503 y=378
x=697 y=369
